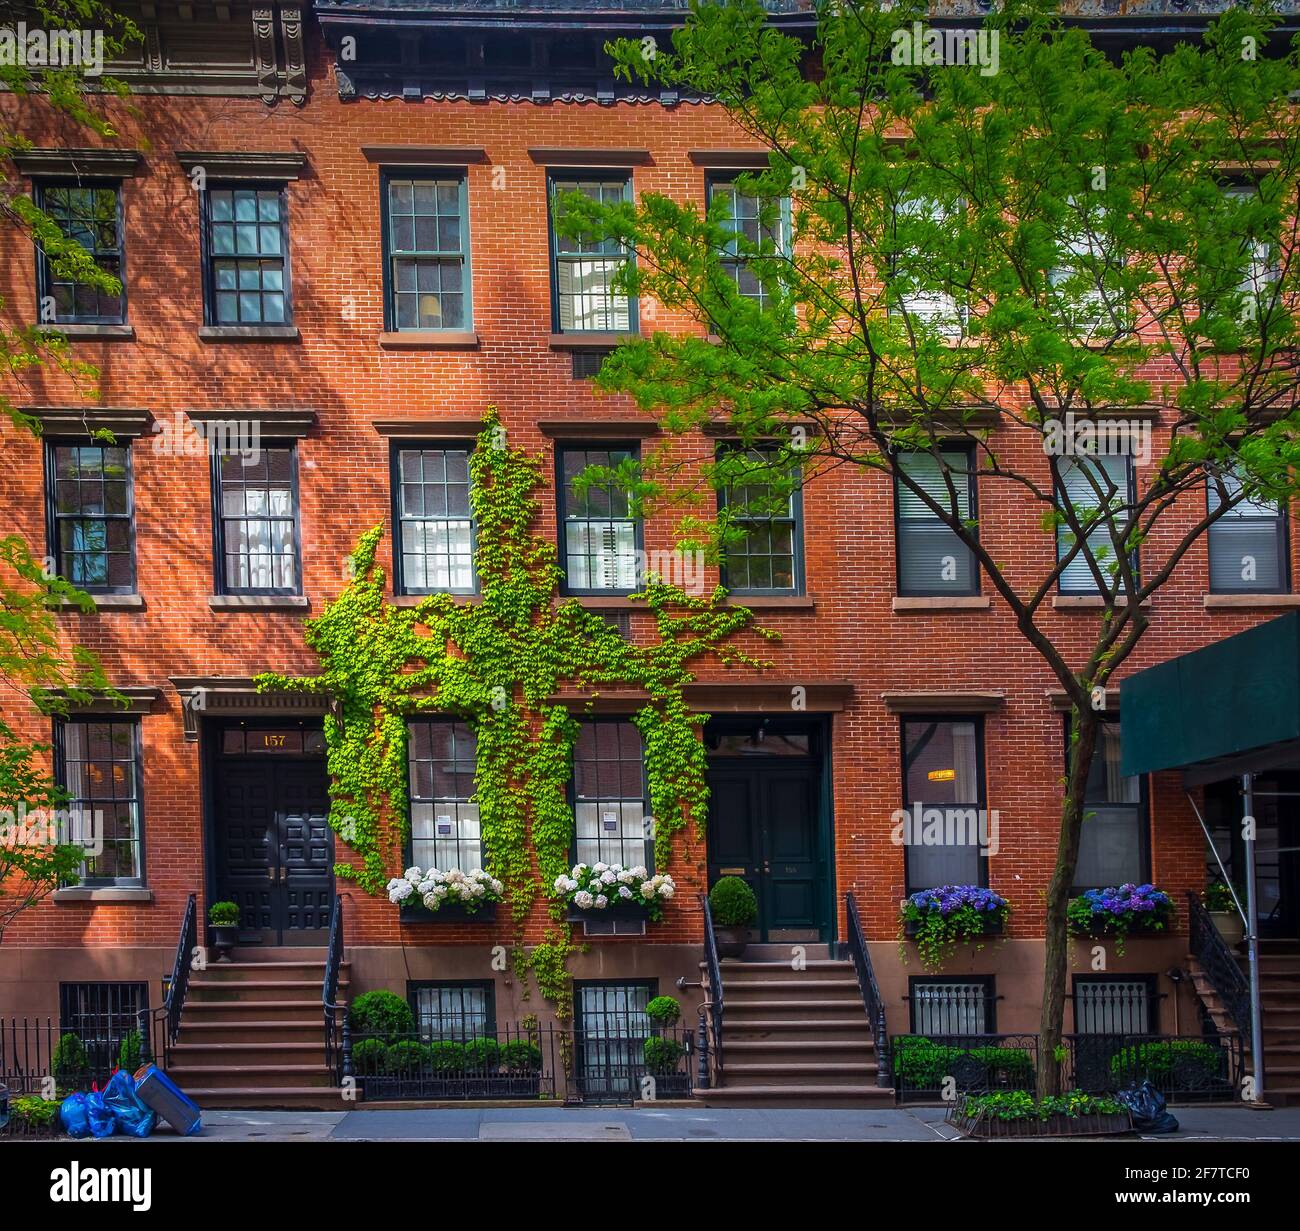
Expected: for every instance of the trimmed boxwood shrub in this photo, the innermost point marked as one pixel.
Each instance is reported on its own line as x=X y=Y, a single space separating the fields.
x=368 y=1056
x=482 y=1055
x=662 y=1055
x=446 y=1057
x=663 y=1011
x=128 y=1055
x=923 y=1064
x=1159 y=1060
x=406 y=1058
x=732 y=903
x=381 y=1015
x=70 y=1064
x=520 y=1056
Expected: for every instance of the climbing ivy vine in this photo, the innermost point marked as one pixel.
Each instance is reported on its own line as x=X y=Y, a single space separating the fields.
x=497 y=662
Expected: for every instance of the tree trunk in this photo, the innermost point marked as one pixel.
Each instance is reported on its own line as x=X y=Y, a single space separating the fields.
x=1056 y=948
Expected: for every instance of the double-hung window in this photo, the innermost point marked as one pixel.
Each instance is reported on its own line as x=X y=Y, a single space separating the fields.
x=445 y=829
x=583 y=266
x=90 y=514
x=764 y=506
x=1113 y=847
x=1084 y=298
x=1248 y=543
x=435 y=532
x=90 y=214
x=757 y=227
x=426 y=231
x=932 y=560
x=256 y=500
x=609 y=795
x=1098 y=488
x=943 y=784
x=97 y=761
x=246 y=252
x=923 y=286
x=1257 y=266
x=600 y=539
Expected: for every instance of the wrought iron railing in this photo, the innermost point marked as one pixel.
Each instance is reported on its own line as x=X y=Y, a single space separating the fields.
x=937 y=1067
x=1182 y=1068
x=1218 y=963
x=871 y=1001
x=713 y=968
x=338 y=1041
x=160 y=1027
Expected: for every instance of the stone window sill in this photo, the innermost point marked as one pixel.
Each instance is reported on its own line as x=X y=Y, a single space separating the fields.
x=771 y=602
x=92 y=333
x=106 y=894
x=1086 y=602
x=249 y=333
x=916 y=604
x=428 y=339
x=107 y=602
x=414 y=600
x=1249 y=602
x=588 y=341
x=258 y=602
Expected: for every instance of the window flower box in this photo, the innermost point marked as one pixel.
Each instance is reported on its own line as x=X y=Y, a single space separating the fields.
x=432 y=896
x=450 y=912
x=940 y=919
x=1120 y=911
x=609 y=890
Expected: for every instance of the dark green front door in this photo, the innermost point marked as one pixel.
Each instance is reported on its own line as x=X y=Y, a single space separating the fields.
x=765 y=826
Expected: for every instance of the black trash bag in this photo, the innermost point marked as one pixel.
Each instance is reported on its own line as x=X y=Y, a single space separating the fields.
x=1147 y=1106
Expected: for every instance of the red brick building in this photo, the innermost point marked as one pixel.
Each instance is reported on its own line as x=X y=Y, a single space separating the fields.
x=347 y=245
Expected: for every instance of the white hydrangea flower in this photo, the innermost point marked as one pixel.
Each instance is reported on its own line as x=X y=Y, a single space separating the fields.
x=601 y=901
x=583 y=900
x=399 y=890
x=414 y=875
x=624 y=892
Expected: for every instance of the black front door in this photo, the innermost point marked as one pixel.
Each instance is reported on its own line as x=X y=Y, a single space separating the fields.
x=765 y=826
x=274 y=848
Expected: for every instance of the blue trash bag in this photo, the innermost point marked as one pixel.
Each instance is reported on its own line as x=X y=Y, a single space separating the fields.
x=73 y=1117
x=1147 y=1106
x=129 y=1112
x=101 y=1119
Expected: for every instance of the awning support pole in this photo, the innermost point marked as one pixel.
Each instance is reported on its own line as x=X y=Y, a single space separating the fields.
x=1252 y=935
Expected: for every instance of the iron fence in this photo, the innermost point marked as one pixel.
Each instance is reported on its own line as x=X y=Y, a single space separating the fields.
x=937 y=1067
x=30 y=1051
x=1181 y=1068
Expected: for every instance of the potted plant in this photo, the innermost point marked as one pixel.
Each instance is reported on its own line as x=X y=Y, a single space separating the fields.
x=454 y=895
x=600 y=889
x=1120 y=911
x=70 y=1065
x=941 y=918
x=664 y=1013
x=1223 y=911
x=224 y=918
x=734 y=909
x=1017 y=1113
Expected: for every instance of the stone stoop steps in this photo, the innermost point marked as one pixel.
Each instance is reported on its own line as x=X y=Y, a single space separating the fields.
x=795 y=1038
x=252 y=1033
x=1279 y=988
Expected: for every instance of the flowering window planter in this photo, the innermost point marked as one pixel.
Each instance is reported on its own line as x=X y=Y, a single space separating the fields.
x=940 y=919
x=618 y=910
x=990 y=926
x=450 y=912
x=1120 y=912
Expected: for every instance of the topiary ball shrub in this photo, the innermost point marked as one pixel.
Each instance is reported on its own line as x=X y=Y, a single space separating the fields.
x=381 y=1015
x=663 y=1011
x=662 y=1055
x=520 y=1056
x=406 y=1059
x=732 y=903
x=482 y=1055
x=368 y=1057
x=70 y=1064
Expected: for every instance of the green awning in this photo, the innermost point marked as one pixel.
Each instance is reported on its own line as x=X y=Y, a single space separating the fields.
x=1230 y=706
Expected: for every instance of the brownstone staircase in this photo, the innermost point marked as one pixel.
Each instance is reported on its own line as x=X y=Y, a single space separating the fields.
x=1279 y=986
x=252 y=1033
x=794 y=1037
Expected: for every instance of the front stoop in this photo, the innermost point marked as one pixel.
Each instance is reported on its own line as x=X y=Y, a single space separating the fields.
x=795 y=1038
x=252 y=1035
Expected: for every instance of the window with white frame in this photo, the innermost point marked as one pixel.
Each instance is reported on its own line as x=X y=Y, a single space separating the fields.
x=922 y=289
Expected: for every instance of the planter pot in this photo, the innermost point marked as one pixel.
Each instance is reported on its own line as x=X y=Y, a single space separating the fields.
x=1229 y=926
x=994 y=927
x=621 y=910
x=224 y=938
x=731 y=942
x=1054 y=1126
x=452 y=912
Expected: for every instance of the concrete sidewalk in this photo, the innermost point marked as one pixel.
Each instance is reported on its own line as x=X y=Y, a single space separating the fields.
x=674 y=1124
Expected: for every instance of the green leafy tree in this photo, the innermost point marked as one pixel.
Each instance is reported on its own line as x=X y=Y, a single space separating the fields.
x=36 y=666
x=1051 y=238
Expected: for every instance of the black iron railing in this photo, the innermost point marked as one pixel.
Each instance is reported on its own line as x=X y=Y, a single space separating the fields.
x=160 y=1027
x=713 y=968
x=1181 y=1068
x=1218 y=963
x=871 y=1001
x=32 y=1050
x=338 y=1042
x=937 y=1067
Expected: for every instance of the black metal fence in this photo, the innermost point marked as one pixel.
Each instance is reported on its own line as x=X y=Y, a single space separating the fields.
x=76 y=1054
x=518 y=1062
x=936 y=1068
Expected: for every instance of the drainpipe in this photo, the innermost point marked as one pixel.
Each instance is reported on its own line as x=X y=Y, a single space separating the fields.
x=1252 y=935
